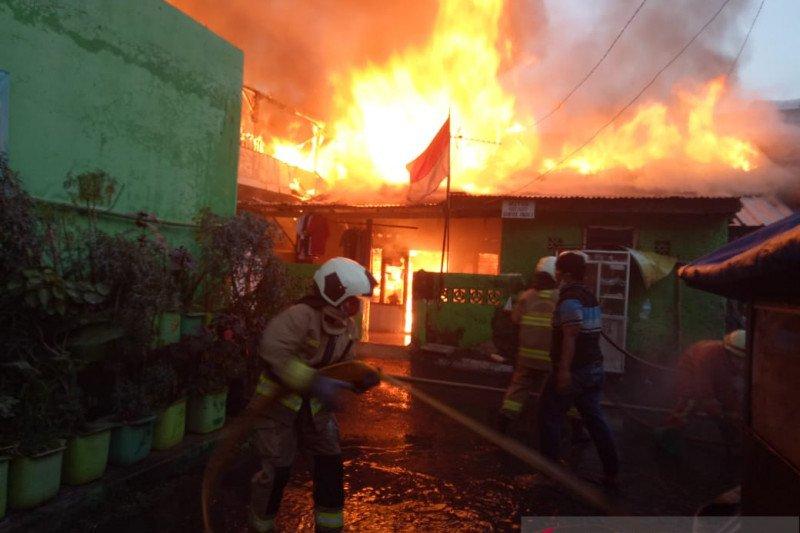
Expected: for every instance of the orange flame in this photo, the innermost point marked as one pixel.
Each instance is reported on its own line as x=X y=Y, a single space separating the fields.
x=652 y=136
x=385 y=115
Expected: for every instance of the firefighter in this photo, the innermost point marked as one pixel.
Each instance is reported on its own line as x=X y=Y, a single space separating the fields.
x=710 y=379
x=317 y=331
x=533 y=311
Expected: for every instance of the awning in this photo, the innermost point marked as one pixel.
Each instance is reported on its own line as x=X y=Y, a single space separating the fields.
x=762 y=265
x=653 y=266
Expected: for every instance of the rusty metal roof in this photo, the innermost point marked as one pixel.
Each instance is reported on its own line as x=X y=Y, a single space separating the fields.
x=760 y=211
x=465 y=205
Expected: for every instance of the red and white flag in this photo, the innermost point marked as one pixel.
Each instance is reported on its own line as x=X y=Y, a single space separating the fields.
x=431 y=167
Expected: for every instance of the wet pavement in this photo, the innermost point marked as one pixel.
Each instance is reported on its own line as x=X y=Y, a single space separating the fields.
x=408 y=468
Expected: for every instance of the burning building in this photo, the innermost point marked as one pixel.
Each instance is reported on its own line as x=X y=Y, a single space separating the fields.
x=327 y=132
x=494 y=244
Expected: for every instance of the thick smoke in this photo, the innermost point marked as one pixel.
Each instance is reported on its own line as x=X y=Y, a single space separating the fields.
x=292 y=48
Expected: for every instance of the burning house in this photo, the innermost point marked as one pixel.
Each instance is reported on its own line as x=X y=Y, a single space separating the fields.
x=494 y=243
x=327 y=132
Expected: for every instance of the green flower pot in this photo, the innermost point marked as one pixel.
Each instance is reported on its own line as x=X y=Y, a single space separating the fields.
x=86 y=457
x=32 y=480
x=168 y=327
x=131 y=442
x=206 y=413
x=170 y=426
x=3 y=485
x=192 y=323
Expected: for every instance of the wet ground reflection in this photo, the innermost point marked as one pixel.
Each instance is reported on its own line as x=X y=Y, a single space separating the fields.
x=407 y=468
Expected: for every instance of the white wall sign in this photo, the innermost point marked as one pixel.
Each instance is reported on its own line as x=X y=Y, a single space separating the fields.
x=519 y=209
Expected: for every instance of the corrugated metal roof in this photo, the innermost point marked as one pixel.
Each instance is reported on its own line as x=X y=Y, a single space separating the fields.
x=759 y=211
x=686 y=196
x=495 y=197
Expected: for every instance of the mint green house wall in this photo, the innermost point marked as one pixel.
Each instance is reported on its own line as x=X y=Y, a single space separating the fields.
x=678 y=315
x=134 y=88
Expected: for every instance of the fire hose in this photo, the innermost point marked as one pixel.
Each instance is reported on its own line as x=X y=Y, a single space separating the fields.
x=241 y=427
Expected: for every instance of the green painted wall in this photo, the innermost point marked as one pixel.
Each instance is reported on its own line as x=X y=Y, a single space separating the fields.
x=702 y=315
x=461 y=324
x=525 y=241
x=135 y=88
x=656 y=335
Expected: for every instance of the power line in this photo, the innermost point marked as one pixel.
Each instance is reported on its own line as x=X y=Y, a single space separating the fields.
x=578 y=85
x=589 y=74
x=630 y=103
x=746 y=37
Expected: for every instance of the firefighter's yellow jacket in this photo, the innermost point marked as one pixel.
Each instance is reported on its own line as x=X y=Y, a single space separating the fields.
x=299 y=341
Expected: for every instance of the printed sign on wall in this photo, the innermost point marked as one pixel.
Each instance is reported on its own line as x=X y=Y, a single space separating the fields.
x=519 y=209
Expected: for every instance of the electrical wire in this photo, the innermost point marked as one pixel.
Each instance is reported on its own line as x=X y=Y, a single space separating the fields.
x=627 y=105
x=591 y=71
x=637 y=358
x=746 y=38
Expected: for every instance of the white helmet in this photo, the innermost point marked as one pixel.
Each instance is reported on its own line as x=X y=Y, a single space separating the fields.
x=736 y=343
x=340 y=278
x=547 y=265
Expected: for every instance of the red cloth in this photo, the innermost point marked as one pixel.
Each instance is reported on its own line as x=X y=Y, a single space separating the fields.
x=432 y=166
x=312 y=236
x=704 y=375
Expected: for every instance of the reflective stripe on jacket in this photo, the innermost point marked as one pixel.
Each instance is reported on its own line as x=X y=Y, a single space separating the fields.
x=296 y=343
x=535 y=326
x=292 y=401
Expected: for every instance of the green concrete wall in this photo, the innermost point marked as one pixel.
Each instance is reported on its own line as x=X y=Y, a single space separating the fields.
x=134 y=88
x=465 y=325
x=666 y=332
x=656 y=336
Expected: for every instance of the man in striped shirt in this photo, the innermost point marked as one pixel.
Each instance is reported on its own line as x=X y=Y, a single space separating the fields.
x=577 y=375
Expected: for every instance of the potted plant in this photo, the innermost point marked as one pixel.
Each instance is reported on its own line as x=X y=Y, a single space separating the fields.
x=215 y=363
x=141 y=292
x=168 y=398
x=245 y=284
x=132 y=436
x=87 y=444
x=7 y=409
x=45 y=412
x=187 y=277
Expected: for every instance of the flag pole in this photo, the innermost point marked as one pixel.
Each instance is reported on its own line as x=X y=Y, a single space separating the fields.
x=446 y=232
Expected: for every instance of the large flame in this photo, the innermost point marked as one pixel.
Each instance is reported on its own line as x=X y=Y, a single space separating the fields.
x=385 y=115
x=652 y=136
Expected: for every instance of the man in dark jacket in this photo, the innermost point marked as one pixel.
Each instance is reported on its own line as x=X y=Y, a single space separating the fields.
x=577 y=374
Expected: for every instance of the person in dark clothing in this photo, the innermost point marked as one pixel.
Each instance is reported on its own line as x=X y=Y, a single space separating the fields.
x=577 y=372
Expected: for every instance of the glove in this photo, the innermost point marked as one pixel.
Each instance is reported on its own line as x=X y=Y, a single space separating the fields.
x=370 y=380
x=328 y=391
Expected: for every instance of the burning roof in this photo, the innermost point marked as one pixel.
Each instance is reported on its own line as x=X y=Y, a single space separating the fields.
x=494 y=66
x=467 y=205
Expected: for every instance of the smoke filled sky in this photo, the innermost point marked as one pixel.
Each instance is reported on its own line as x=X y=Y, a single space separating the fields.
x=301 y=39
x=770 y=64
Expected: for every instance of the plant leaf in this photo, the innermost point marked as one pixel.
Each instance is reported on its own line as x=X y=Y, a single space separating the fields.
x=93 y=298
x=102 y=289
x=30 y=299
x=22 y=366
x=44 y=296
x=96 y=333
